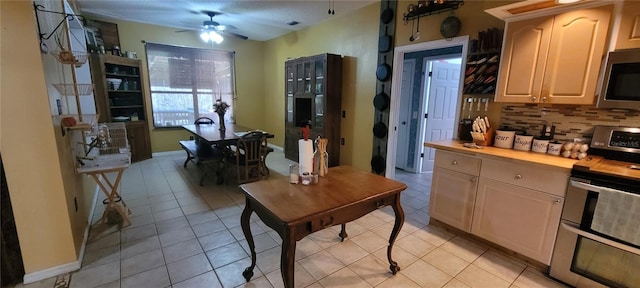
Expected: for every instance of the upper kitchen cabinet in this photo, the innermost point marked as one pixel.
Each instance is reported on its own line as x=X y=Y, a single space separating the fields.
x=629 y=30
x=554 y=59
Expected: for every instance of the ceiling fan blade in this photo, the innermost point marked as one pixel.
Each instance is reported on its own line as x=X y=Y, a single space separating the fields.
x=235 y=35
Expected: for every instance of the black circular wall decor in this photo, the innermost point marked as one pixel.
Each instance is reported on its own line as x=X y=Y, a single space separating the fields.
x=450 y=26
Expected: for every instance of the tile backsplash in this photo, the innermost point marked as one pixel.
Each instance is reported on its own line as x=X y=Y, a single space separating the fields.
x=571 y=121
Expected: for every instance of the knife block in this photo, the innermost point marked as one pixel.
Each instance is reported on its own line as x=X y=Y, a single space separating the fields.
x=488 y=139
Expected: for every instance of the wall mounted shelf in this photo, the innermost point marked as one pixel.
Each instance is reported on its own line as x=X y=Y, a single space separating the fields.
x=432 y=8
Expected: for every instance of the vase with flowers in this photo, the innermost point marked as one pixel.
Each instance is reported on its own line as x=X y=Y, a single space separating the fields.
x=220 y=107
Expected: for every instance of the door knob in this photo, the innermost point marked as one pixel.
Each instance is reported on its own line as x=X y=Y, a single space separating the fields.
x=518 y=176
x=404 y=122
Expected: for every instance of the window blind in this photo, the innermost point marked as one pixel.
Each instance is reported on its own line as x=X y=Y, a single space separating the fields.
x=185 y=82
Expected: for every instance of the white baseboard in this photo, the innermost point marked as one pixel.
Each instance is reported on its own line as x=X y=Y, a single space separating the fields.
x=51 y=272
x=275 y=147
x=69 y=267
x=167 y=153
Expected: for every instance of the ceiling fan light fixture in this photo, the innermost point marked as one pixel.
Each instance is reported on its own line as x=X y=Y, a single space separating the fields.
x=212 y=36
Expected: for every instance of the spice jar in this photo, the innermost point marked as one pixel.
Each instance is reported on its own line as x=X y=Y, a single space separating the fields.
x=294 y=177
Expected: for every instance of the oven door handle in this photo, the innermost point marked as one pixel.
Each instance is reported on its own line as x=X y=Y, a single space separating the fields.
x=594 y=188
x=573 y=228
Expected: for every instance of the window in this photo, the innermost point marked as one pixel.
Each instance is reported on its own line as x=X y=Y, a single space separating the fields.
x=185 y=82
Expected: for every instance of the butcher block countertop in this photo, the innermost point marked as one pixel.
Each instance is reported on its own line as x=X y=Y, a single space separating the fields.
x=491 y=152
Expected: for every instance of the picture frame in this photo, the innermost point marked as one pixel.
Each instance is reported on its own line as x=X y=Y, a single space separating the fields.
x=105 y=33
x=91 y=38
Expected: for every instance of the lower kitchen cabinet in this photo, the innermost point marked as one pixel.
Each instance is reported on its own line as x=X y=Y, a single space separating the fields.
x=452 y=197
x=139 y=140
x=512 y=203
x=521 y=219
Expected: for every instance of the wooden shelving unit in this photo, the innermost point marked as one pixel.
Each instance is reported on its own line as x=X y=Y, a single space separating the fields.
x=124 y=103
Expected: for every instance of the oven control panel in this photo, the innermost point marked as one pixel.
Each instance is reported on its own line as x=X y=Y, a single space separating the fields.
x=624 y=139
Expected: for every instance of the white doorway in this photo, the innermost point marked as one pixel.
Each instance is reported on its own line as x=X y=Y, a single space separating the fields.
x=442 y=100
x=404 y=118
x=396 y=104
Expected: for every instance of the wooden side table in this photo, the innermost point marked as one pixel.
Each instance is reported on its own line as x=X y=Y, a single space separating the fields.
x=295 y=210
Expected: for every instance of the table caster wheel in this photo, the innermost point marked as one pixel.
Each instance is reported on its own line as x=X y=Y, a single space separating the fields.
x=394 y=268
x=248 y=273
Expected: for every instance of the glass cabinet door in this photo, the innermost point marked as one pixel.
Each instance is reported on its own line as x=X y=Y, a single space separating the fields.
x=290 y=86
x=307 y=77
x=319 y=67
x=290 y=76
x=299 y=77
x=319 y=73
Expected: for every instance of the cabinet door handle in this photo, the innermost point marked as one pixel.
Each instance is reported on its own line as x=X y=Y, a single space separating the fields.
x=534 y=99
x=544 y=99
x=557 y=201
x=518 y=176
x=454 y=162
x=473 y=180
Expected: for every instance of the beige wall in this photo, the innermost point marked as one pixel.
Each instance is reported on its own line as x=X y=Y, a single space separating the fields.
x=249 y=78
x=260 y=68
x=472 y=17
x=356 y=38
x=28 y=146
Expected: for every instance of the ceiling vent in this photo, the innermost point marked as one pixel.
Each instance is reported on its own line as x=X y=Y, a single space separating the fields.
x=292 y=23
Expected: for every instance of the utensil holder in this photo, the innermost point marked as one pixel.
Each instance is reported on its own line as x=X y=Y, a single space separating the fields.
x=488 y=139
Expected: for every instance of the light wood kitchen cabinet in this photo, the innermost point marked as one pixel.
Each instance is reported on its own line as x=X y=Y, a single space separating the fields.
x=452 y=198
x=453 y=189
x=629 y=30
x=521 y=219
x=554 y=59
x=510 y=202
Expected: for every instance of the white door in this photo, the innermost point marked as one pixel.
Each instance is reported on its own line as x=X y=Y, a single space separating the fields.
x=441 y=107
x=408 y=69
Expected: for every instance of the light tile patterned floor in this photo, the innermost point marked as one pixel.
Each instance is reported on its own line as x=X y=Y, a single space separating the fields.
x=186 y=235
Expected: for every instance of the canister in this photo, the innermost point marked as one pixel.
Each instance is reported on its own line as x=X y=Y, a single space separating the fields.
x=554 y=148
x=504 y=139
x=523 y=142
x=540 y=145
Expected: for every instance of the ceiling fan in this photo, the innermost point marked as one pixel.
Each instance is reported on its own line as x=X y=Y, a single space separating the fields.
x=209 y=26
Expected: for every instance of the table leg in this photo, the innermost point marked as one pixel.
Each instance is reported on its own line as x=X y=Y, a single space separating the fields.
x=112 y=193
x=343 y=232
x=287 y=259
x=246 y=229
x=397 y=209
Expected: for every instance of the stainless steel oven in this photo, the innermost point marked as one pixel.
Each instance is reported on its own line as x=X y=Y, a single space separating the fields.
x=595 y=248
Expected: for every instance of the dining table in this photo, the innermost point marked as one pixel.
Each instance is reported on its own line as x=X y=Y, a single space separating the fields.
x=214 y=136
x=226 y=138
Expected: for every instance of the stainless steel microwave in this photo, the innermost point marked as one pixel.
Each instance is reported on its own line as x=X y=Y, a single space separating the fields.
x=620 y=87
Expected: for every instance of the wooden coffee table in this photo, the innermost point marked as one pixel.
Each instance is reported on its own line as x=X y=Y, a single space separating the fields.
x=295 y=210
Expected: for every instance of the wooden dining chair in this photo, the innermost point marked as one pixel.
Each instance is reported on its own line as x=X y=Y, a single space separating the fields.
x=249 y=156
